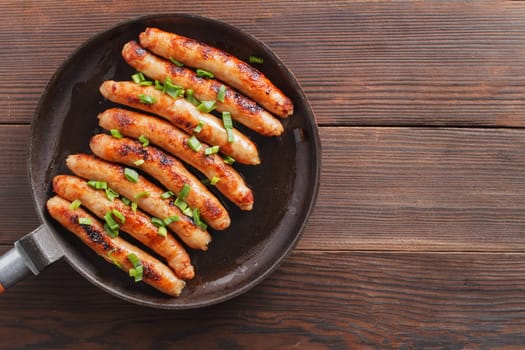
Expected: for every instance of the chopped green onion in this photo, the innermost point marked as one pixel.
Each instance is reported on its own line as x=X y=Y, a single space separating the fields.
x=194 y=144
x=110 y=221
x=139 y=162
x=138 y=77
x=147 y=99
x=144 y=140
x=115 y=133
x=204 y=73
x=198 y=128
x=180 y=203
x=131 y=175
x=197 y=219
x=114 y=260
x=134 y=206
x=157 y=222
x=229 y=160
x=185 y=191
x=146 y=83
x=99 y=185
x=166 y=195
x=111 y=194
x=162 y=231
x=175 y=62
x=172 y=89
x=171 y=219
x=221 y=93
x=188 y=212
x=118 y=215
x=255 y=59
x=137 y=270
x=142 y=194
x=84 y=221
x=126 y=201
x=206 y=106
x=214 y=180
x=191 y=98
x=110 y=232
x=159 y=86
x=211 y=150
x=227 y=120
x=75 y=204
x=229 y=133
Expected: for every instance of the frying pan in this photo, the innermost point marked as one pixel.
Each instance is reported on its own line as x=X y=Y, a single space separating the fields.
x=285 y=185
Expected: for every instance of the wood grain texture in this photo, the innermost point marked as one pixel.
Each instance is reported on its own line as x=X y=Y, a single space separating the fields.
x=329 y=300
x=418 y=189
x=361 y=63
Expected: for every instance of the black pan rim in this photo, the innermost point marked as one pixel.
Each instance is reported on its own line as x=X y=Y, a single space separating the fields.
x=312 y=195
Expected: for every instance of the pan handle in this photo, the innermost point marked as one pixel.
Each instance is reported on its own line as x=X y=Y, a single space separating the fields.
x=31 y=253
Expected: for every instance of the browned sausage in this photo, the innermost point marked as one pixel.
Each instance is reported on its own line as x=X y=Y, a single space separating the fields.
x=92 y=168
x=174 y=141
x=242 y=109
x=136 y=224
x=115 y=250
x=167 y=170
x=224 y=66
x=184 y=115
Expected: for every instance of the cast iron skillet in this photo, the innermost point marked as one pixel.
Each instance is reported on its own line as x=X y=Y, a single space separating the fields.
x=285 y=184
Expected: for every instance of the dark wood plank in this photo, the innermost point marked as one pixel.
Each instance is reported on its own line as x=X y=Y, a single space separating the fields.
x=331 y=300
x=381 y=189
x=380 y=63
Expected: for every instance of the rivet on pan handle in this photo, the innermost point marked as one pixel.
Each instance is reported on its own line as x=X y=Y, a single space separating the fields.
x=31 y=253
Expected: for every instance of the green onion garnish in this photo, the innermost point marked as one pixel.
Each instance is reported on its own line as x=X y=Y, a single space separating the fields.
x=138 y=270
x=157 y=222
x=110 y=232
x=197 y=219
x=131 y=175
x=136 y=78
x=146 y=83
x=162 y=231
x=172 y=89
x=144 y=140
x=204 y=73
x=191 y=98
x=111 y=194
x=75 y=204
x=142 y=194
x=147 y=99
x=99 y=185
x=229 y=133
x=229 y=160
x=166 y=195
x=198 y=128
x=110 y=221
x=221 y=93
x=181 y=204
x=255 y=59
x=115 y=133
x=159 y=86
x=175 y=62
x=84 y=221
x=138 y=162
x=171 y=219
x=185 y=191
x=211 y=150
x=228 y=125
x=125 y=201
x=206 y=106
x=118 y=215
x=194 y=144
x=134 y=206
x=214 y=180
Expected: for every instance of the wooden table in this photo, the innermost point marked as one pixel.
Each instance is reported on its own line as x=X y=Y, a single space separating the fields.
x=418 y=236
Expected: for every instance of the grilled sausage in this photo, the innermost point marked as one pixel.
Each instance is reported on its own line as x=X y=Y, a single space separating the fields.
x=167 y=170
x=184 y=115
x=224 y=66
x=136 y=224
x=115 y=250
x=242 y=109
x=174 y=141
x=92 y=168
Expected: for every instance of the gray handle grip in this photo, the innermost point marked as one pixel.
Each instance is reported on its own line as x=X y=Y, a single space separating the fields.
x=31 y=253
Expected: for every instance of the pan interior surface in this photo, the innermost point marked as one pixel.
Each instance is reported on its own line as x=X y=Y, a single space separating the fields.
x=285 y=185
